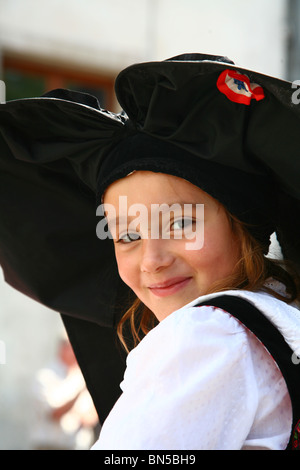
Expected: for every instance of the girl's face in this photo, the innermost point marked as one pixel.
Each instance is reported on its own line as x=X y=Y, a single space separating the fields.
x=170 y=259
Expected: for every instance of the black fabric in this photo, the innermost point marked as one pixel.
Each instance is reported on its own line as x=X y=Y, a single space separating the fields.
x=48 y=245
x=101 y=359
x=267 y=333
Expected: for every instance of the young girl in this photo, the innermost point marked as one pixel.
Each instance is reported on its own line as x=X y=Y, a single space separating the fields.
x=199 y=379
x=192 y=185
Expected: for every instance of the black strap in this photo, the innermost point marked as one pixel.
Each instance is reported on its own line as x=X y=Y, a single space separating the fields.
x=252 y=318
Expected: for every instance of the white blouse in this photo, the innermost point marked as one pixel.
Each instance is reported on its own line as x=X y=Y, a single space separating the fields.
x=199 y=381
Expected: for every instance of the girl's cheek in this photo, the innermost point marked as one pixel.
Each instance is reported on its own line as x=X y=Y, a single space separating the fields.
x=125 y=269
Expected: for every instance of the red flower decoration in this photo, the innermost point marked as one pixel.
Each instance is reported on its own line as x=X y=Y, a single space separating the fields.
x=237 y=87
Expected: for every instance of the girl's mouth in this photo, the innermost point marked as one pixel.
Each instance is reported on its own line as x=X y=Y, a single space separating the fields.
x=169 y=287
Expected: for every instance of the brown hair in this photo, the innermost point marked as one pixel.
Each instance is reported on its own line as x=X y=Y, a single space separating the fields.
x=251 y=273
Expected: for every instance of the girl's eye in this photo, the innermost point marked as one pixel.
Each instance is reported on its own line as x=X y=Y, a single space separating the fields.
x=180 y=224
x=128 y=238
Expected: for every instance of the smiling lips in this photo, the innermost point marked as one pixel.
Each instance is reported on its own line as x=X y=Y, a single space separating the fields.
x=171 y=286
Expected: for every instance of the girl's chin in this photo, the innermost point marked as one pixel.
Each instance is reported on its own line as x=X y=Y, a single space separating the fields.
x=166 y=308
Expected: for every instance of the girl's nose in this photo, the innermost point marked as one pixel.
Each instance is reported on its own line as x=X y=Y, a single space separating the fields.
x=156 y=255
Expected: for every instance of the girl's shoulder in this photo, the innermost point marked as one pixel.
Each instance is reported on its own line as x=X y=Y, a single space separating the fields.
x=285 y=317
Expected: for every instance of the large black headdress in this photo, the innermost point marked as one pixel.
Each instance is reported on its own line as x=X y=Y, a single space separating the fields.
x=231 y=131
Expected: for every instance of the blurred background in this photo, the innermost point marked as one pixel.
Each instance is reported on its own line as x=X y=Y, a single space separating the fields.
x=82 y=45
